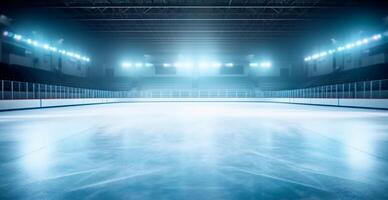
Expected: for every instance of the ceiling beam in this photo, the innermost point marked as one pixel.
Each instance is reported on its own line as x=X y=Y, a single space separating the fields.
x=196 y=19
x=195 y=31
x=187 y=7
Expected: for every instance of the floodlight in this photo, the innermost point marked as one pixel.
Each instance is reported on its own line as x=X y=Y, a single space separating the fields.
x=376 y=37
x=229 y=64
x=216 y=65
x=17 y=37
x=349 y=46
x=315 y=56
x=138 y=64
x=45 y=46
x=253 y=64
x=125 y=64
x=203 y=64
x=266 y=64
x=177 y=64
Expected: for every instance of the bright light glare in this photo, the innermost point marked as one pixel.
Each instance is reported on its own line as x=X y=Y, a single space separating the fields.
x=253 y=64
x=149 y=65
x=45 y=46
x=17 y=37
x=216 y=65
x=203 y=65
x=346 y=47
x=229 y=64
x=322 y=54
x=126 y=64
x=166 y=65
x=266 y=64
x=138 y=64
x=349 y=46
x=183 y=65
x=376 y=37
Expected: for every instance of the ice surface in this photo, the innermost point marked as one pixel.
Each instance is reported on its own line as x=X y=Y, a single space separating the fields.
x=194 y=151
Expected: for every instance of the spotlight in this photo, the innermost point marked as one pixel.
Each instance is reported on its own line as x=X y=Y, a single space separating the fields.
x=166 y=65
x=17 y=37
x=349 y=46
x=216 y=65
x=266 y=64
x=149 y=65
x=229 y=64
x=138 y=65
x=315 y=56
x=177 y=65
x=253 y=64
x=376 y=37
x=71 y=54
x=183 y=65
x=126 y=64
x=45 y=46
x=203 y=64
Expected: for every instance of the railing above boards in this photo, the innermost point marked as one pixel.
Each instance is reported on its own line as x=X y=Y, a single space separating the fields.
x=11 y=90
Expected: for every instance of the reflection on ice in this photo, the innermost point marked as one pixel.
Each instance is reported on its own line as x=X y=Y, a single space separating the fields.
x=194 y=151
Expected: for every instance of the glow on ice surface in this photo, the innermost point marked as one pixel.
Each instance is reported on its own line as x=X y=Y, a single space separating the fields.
x=194 y=151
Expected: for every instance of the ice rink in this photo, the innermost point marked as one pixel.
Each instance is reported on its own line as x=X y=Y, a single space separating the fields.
x=194 y=151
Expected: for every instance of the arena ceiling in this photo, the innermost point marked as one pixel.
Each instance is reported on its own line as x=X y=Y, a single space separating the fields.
x=245 y=23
